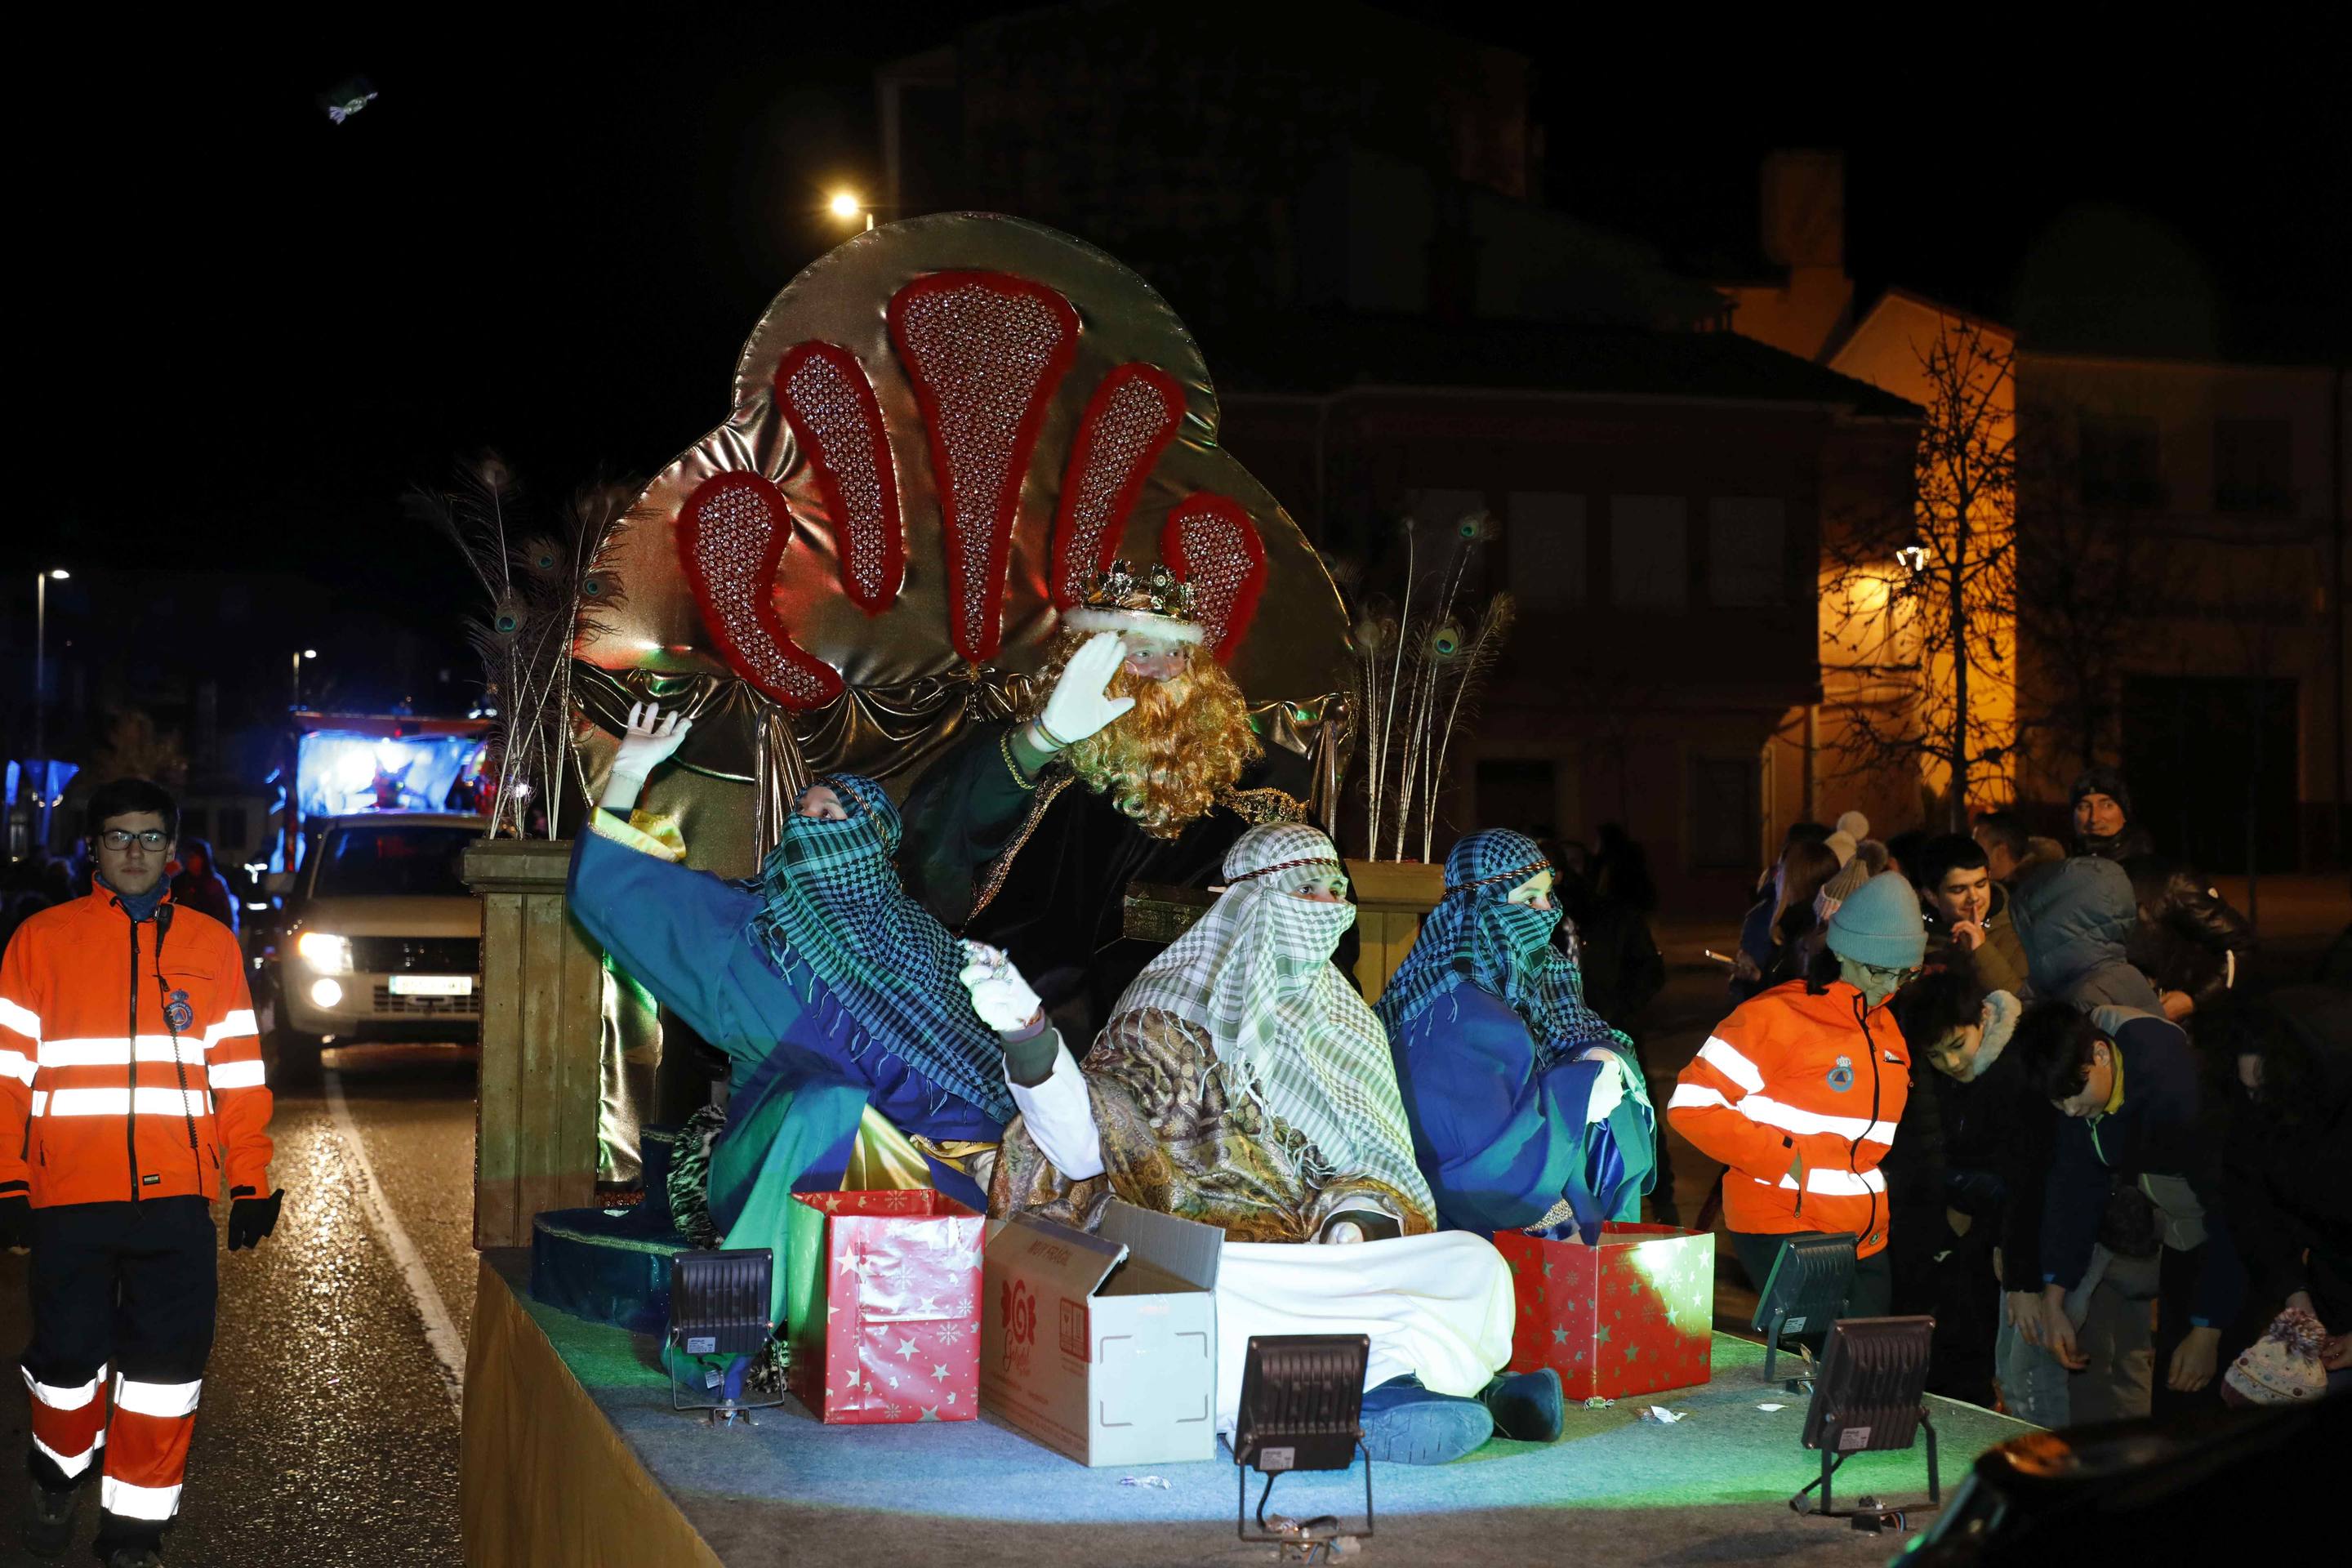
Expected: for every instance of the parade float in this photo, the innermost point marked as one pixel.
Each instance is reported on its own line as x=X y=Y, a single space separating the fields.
x=939 y=433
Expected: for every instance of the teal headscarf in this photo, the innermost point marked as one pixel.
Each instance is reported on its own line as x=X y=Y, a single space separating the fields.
x=832 y=899
x=1477 y=935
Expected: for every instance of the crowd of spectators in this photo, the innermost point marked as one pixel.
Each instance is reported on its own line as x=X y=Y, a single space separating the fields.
x=2122 y=1180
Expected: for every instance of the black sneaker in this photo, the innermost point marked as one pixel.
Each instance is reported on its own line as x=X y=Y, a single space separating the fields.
x=49 y=1520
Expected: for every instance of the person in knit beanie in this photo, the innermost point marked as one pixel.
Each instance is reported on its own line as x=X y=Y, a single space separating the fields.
x=2102 y=804
x=1798 y=1094
x=1878 y=937
x=1842 y=844
x=1841 y=886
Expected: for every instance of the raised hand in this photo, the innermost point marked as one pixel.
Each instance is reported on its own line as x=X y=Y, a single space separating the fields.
x=999 y=995
x=647 y=740
x=1080 y=704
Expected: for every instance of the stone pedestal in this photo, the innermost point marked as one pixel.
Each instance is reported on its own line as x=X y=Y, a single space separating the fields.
x=1391 y=896
x=535 y=1128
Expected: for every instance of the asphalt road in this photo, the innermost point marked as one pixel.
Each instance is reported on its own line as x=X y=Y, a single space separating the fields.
x=327 y=1433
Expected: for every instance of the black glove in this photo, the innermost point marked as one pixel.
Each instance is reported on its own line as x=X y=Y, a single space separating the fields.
x=251 y=1218
x=16 y=1221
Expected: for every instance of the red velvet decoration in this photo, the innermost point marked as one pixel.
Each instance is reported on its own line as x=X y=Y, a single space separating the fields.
x=731 y=532
x=824 y=396
x=1210 y=542
x=1632 y=1315
x=985 y=352
x=1129 y=422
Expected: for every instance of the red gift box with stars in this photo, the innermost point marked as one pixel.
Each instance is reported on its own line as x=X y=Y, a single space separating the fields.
x=883 y=1305
x=1630 y=1315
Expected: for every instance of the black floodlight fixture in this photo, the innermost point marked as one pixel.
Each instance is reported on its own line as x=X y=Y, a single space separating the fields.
x=1807 y=1286
x=1870 y=1395
x=1302 y=1409
x=718 y=1309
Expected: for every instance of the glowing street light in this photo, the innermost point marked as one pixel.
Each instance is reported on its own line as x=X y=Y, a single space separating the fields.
x=298 y=658
x=846 y=205
x=41 y=581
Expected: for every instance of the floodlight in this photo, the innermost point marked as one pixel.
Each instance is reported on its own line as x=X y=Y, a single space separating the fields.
x=719 y=1308
x=845 y=205
x=1808 y=1284
x=1302 y=1409
x=1870 y=1396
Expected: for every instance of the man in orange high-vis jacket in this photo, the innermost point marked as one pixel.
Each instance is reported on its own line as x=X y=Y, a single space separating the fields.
x=1799 y=1092
x=130 y=1097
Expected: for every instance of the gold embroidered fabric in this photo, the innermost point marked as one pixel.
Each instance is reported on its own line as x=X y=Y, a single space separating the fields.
x=647 y=833
x=1263 y=808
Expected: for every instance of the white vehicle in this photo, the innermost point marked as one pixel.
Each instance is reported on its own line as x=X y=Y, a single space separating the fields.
x=384 y=940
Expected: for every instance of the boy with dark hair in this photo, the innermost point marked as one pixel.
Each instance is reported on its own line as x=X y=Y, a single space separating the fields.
x=1997 y=1143
x=2132 y=1210
x=1967 y=912
x=131 y=1095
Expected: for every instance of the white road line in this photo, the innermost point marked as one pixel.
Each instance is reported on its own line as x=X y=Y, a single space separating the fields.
x=440 y=1333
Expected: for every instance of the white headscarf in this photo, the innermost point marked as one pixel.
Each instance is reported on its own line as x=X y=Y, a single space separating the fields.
x=1289 y=1032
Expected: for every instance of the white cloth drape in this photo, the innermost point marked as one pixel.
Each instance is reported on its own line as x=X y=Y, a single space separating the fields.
x=1439 y=1306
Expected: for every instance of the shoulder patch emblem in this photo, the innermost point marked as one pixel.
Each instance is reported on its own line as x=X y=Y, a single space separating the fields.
x=1840 y=1077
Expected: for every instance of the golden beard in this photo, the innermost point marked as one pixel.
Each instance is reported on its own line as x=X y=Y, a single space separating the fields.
x=1163 y=761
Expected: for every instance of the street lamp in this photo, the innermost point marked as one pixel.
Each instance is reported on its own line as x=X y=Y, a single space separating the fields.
x=845 y=205
x=298 y=658
x=41 y=697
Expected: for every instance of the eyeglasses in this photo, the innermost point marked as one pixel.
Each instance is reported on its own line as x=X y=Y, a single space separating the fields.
x=120 y=837
x=1898 y=975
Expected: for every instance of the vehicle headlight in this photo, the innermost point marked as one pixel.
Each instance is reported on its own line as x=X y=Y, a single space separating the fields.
x=325 y=951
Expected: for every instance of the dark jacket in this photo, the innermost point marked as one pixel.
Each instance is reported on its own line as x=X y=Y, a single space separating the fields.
x=2187 y=938
x=206 y=889
x=2132 y=840
x=2161 y=1129
x=1998 y=1140
x=2287 y=1171
x=2075 y=921
x=1623 y=971
x=1998 y=961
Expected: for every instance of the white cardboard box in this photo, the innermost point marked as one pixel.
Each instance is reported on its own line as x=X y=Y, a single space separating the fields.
x=1104 y=1347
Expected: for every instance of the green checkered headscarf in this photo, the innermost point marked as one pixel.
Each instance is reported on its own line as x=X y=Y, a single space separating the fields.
x=1476 y=935
x=1290 y=1033
x=832 y=900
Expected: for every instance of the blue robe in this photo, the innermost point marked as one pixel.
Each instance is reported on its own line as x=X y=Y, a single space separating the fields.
x=796 y=1084
x=1500 y=1142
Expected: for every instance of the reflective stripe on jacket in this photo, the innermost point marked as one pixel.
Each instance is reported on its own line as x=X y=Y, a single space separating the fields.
x=1796 y=1082
x=126 y=1073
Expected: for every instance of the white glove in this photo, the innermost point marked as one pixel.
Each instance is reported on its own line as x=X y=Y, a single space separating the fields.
x=1001 y=998
x=1609 y=1089
x=647 y=740
x=1080 y=704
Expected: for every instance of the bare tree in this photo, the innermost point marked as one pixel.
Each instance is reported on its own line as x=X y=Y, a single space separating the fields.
x=135 y=748
x=1918 y=599
x=2091 y=566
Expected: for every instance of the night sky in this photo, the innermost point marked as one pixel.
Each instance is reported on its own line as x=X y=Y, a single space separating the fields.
x=260 y=327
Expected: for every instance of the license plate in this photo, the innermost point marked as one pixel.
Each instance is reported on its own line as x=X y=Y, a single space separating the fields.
x=432 y=985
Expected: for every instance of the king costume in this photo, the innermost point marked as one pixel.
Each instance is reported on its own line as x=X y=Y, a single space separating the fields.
x=1497 y=1058
x=830 y=990
x=1241 y=1083
x=1031 y=847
